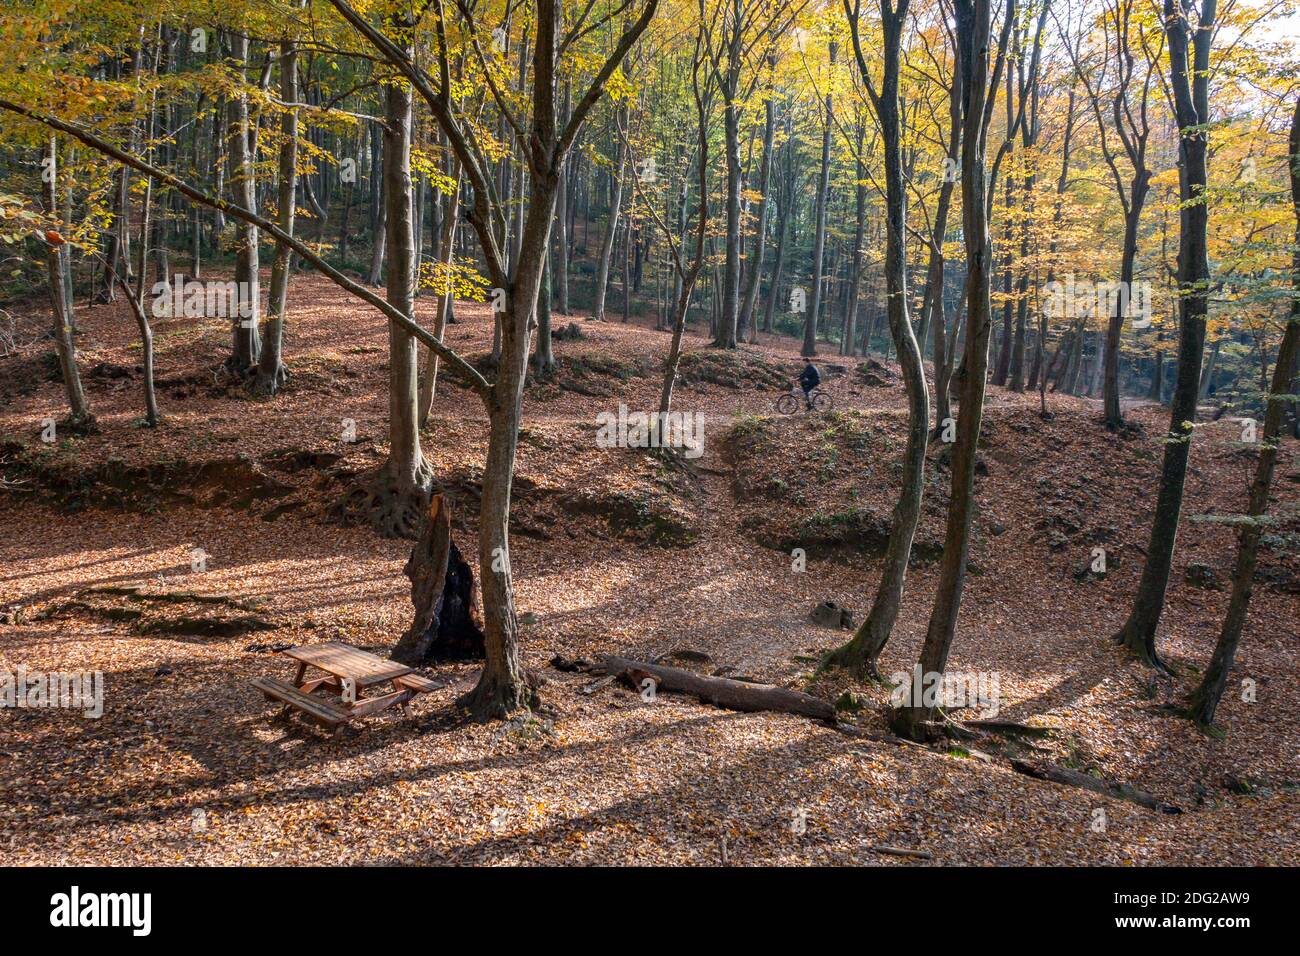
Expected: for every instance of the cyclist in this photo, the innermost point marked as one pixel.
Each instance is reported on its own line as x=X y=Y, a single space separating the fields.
x=809 y=379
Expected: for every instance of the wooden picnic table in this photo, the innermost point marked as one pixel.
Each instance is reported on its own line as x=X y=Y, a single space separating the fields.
x=349 y=671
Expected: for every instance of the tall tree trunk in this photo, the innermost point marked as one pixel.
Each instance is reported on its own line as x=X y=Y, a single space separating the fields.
x=1189 y=81
x=395 y=497
x=611 y=227
x=819 y=236
x=378 y=210
x=935 y=308
x=560 y=261
x=1004 y=351
x=1114 y=415
x=270 y=367
x=746 y=319
x=725 y=336
x=973 y=27
x=786 y=205
x=245 y=321
x=1205 y=699
x=446 y=256
x=1207 y=377
x=863 y=651
x=78 y=408
x=1017 y=373
x=117 y=257
x=849 y=345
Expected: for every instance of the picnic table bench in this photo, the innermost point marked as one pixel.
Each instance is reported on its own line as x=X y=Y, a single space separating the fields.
x=349 y=672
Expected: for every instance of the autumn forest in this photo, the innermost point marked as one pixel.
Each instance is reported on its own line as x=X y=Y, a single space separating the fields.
x=655 y=432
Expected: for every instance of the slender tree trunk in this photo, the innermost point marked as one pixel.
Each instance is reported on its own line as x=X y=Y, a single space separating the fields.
x=394 y=498
x=1205 y=699
x=786 y=205
x=611 y=228
x=79 y=409
x=863 y=651
x=819 y=236
x=849 y=344
x=725 y=336
x=245 y=321
x=446 y=256
x=973 y=29
x=1207 y=377
x=560 y=261
x=746 y=320
x=1114 y=415
x=271 y=373
x=1189 y=80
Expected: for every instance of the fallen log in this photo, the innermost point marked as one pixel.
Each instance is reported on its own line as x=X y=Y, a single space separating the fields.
x=722 y=691
x=903 y=851
x=1040 y=770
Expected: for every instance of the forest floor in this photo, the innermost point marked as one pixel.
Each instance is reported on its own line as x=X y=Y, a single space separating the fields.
x=613 y=551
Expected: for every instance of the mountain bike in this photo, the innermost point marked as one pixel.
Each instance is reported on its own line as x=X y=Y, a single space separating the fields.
x=793 y=401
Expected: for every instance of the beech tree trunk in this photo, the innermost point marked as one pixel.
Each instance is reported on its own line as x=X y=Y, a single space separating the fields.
x=270 y=367
x=725 y=336
x=819 y=236
x=1205 y=699
x=973 y=27
x=611 y=227
x=445 y=626
x=746 y=320
x=862 y=652
x=78 y=407
x=246 y=319
x=1189 y=81
x=446 y=256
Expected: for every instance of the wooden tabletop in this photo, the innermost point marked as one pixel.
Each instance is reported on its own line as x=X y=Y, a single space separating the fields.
x=344 y=661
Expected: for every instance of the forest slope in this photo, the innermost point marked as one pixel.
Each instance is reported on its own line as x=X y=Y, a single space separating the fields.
x=616 y=551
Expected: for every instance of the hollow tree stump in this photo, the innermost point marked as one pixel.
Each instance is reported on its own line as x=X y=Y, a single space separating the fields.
x=445 y=627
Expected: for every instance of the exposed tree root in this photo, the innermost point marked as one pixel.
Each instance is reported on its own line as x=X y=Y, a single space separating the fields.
x=392 y=506
x=263 y=385
x=496 y=697
x=1040 y=770
x=79 y=425
x=1137 y=645
x=854 y=659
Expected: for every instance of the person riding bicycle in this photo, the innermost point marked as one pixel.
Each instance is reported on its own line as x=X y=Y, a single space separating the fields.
x=809 y=379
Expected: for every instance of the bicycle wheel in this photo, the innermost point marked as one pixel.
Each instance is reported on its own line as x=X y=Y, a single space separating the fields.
x=787 y=404
x=822 y=402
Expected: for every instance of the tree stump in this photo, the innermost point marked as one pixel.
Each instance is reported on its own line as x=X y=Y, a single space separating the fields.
x=445 y=627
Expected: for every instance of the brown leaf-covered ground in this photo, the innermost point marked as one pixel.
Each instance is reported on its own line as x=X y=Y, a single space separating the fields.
x=615 y=550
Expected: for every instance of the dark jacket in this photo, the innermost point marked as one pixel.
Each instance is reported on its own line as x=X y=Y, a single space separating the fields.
x=810 y=378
